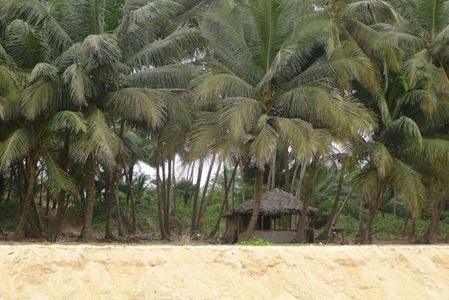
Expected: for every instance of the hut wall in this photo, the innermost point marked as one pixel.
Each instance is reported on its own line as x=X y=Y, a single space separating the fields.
x=276 y=236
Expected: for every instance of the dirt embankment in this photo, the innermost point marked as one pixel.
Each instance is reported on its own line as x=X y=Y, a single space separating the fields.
x=223 y=272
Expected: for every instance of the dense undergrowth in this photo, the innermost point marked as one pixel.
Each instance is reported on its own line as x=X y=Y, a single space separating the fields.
x=386 y=226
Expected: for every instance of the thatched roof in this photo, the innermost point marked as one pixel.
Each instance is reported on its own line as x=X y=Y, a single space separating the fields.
x=275 y=202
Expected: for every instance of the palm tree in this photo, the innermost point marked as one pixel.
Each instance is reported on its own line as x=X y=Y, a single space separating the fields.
x=426 y=100
x=105 y=60
x=412 y=108
x=272 y=81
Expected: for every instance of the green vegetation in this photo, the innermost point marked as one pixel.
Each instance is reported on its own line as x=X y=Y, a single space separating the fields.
x=344 y=104
x=256 y=242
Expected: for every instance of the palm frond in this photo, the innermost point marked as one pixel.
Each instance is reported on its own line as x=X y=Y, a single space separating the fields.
x=168 y=49
x=99 y=140
x=371 y=11
x=211 y=86
x=17 y=146
x=43 y=71
x=169 y=76
x=79 y=83
x=41 y=96
x=323 y=106
x=404 y=127
x=408 y=186
x=102 y=49
x=298 y=134
x=381 y=158
x=68 y=120
x=240 y=115
x=138 y=105
x=264 y=143
x=58 y=180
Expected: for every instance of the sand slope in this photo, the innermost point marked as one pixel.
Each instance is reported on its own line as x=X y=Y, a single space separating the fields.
x=223 y=272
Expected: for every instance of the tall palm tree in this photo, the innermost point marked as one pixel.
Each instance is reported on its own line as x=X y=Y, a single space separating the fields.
x=412 y=107
x=427 y=86
x=272 y=80
x=106 y=60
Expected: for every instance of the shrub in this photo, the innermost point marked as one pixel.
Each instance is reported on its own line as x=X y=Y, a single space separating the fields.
x=256 y=242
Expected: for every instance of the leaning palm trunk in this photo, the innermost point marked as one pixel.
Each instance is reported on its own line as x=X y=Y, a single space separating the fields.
x=255 y=215
x=330 y=221
x=224 y=204
x=300 y=235
x=212 y=188
x=348 y=196
x=301 y=177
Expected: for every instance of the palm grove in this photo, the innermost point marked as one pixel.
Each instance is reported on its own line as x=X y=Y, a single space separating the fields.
x=270 y=93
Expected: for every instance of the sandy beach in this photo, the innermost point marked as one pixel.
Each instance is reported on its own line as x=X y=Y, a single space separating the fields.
x=223 y=272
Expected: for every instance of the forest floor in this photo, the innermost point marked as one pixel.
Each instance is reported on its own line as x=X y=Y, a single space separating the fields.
x=38 y=271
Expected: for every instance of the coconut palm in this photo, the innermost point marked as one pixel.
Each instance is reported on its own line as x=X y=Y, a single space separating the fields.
x=413 y=108
x=272 y=80
x=107 y=61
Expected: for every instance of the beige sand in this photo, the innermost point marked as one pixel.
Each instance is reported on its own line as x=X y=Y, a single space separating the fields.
x=223 y=272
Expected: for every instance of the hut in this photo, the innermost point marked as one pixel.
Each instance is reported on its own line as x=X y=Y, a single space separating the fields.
x=277 y=222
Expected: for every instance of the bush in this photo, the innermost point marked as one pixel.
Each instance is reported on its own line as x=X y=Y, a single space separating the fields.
x=256 y=242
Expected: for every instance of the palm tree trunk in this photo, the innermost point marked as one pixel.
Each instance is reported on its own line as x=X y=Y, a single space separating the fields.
x=255 y=215
x=164 y=194
x=168 y=197
x=203 y=195
x=195 y=197
x=116 y=200
x=129 y=173
x=374 y=206
x=87 y=233
x=437 y=208
x=57 y=222
x=330 y=221
x=29 y=224
x=413 y=229
x=173 y=186
x=286 y=170
x=227 y=187
x=273 y=173
x=295 y=172
x=191 y=172
x=164 y=235
x=348 y=196
x=211 y=191
x=108 y=212
x=301 y=177
x=300 y=235
x=134 y=211
x=242 y=181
